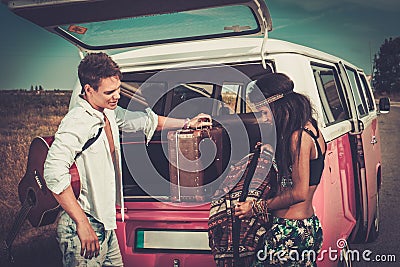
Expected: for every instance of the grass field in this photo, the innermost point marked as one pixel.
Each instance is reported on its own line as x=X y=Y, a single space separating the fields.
x=23 y=116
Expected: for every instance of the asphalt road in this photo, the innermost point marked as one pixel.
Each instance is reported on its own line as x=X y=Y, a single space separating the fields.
x=387 y=245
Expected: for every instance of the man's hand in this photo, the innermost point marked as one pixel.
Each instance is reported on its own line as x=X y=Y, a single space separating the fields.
x=200 y=121
x=90 y=246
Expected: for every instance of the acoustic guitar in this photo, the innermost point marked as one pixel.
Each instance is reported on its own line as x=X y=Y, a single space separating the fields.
x=38 y=203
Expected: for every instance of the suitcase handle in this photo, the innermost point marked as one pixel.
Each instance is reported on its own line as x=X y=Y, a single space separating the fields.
x=205 y=127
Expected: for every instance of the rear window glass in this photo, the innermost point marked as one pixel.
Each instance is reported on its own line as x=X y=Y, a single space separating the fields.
x=211 y=22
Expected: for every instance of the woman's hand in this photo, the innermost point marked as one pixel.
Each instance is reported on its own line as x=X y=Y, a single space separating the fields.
x=244 y=209
x=268 y=148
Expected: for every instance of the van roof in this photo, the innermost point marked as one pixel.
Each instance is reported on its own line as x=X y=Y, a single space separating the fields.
x=219 y=51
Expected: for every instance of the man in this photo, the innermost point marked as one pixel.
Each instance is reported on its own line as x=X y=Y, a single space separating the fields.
x=86 y=226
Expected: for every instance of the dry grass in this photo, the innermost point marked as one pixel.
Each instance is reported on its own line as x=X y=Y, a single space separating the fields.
x=24 y=116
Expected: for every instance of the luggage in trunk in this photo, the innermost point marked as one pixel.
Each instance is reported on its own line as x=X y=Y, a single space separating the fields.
x=192 y=163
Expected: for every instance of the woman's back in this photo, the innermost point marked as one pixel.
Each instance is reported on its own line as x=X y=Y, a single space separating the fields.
x=308 y=165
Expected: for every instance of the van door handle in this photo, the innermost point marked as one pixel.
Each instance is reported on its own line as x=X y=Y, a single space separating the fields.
x=374 y=141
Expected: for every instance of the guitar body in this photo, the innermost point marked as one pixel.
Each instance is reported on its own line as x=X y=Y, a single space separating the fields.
x=32 y=187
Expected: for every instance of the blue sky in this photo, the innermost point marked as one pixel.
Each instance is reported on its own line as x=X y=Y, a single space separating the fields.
x=351 y=29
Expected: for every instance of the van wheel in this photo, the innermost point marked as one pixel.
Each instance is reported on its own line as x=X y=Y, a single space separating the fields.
x=374 y=231
x=345 y=259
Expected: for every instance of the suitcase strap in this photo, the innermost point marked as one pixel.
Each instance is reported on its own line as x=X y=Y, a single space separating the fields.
x=178 y=132
x=177 y=164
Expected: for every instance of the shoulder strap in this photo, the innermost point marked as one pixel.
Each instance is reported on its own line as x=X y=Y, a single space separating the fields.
x=90 y=142
x=313 y=136
x=249 y=172
x=236 y=224
x=315 y=125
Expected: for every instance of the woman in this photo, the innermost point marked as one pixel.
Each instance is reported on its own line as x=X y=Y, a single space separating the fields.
x=300 y=153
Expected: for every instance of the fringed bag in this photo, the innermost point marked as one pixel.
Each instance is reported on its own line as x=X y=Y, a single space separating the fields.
x=222 y=220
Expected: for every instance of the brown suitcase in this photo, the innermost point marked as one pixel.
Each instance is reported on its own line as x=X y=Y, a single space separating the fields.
x=190 y=170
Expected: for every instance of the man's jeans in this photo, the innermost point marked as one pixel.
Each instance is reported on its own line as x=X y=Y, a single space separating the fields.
x=70 y=244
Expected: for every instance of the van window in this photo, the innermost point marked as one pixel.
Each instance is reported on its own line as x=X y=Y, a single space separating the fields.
x=188 y=91
x=358 y=92
x=367 y=92
x=214 y=22
x=138 y=96
x=331 y=94
x=230 y=98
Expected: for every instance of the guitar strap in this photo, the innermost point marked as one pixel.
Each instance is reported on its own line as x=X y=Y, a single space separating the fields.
x=236 y=225
x=90 y=142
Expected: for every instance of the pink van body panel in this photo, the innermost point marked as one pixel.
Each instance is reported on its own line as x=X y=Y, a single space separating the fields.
x=372 y=157
x=334 y=204
x=334 y=200
x=158 y=215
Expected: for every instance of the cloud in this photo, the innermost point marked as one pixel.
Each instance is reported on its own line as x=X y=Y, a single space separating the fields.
x=359 y=27
x=385 y=5
x=289 y=23
x=311 y=5
x=318 y=5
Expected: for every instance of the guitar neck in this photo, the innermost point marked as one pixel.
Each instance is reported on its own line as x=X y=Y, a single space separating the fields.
x=19 y=220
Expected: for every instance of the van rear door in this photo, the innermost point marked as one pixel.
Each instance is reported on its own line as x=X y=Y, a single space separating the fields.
x=115 y=24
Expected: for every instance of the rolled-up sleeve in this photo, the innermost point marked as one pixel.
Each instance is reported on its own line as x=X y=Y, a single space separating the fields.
x=69 y=139
x=133 y=121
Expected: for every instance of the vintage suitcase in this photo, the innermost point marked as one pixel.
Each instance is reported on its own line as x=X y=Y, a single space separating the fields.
x=193 y=163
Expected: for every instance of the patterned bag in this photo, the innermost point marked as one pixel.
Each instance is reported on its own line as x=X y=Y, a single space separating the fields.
x=222 y=216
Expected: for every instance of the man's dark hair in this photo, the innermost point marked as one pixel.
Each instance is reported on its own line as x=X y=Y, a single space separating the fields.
x=96 y=66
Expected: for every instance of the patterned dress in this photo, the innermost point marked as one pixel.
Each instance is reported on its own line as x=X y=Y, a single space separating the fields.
x=291 y=243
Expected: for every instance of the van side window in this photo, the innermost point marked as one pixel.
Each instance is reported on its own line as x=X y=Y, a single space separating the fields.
x=230 y=99
x=330 y=93
x=358 y=92
x=367 y=91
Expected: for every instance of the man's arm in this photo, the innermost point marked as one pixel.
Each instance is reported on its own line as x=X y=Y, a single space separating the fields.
x=148 y=121
x=201 y=120
x=90 y=246
x=74 y=130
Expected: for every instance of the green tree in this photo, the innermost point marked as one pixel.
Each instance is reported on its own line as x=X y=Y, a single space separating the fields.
x=386 y=77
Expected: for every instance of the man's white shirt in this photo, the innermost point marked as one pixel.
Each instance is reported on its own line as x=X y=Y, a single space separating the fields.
x=101 y=184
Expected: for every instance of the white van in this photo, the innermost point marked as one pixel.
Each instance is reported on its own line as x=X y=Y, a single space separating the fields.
x=172 y=52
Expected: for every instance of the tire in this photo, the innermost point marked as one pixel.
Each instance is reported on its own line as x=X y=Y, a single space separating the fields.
x=374 y=231
x=344 y=259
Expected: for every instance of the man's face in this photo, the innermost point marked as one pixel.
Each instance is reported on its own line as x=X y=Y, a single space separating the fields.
x=107 y=95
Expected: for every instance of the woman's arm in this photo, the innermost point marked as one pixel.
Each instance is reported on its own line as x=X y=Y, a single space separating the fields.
x=300 y=175
x=290 y=196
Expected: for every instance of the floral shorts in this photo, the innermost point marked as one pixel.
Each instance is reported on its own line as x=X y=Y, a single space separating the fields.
x=70 y=244
x=291 y=243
